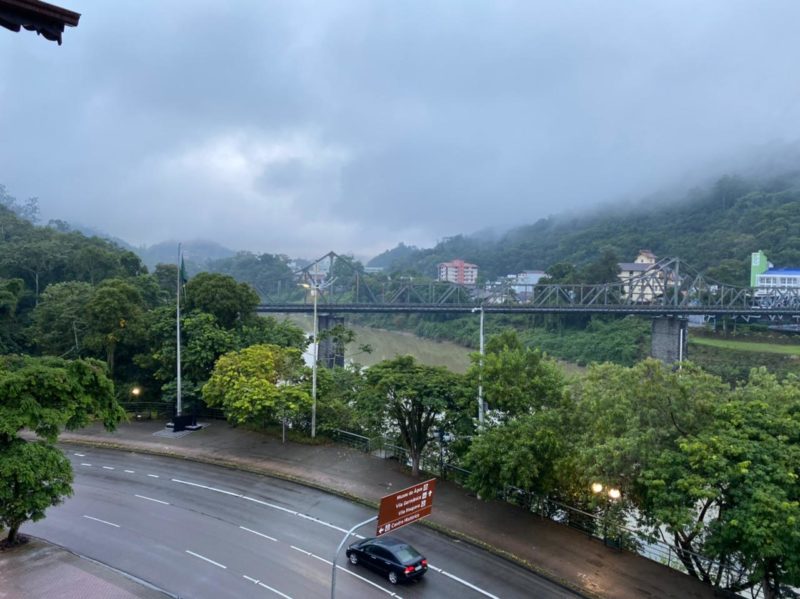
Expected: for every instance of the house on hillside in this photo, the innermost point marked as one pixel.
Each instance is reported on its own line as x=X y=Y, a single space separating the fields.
x=523 y=283
x=773 y=284
x=641 y=281
x=458 y=271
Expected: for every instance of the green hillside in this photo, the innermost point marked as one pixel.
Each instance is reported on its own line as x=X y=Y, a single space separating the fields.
x=713 y=229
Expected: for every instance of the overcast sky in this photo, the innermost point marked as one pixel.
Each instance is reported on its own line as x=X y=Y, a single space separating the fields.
x=298 y=127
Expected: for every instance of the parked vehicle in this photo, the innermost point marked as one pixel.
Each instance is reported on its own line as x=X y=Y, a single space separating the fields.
x=395 y=559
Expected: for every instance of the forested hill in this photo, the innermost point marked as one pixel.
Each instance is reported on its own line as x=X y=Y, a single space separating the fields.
x=713 y=229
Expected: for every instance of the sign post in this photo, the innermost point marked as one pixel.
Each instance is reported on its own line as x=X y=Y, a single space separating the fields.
x=396 y=510
x=406 y=506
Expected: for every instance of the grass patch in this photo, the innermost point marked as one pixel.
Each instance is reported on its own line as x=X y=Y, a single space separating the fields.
x=748 y=346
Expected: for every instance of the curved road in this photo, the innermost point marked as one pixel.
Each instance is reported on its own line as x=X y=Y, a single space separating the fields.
x=196 y=530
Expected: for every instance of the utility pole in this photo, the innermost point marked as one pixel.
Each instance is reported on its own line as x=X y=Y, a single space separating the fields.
x=480 y=370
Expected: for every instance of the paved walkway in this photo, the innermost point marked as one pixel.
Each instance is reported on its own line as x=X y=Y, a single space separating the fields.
x=559 y=552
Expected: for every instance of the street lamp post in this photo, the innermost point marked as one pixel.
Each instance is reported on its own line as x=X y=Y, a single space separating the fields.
x=315 y=292
x=611 y=496
x=480 y=371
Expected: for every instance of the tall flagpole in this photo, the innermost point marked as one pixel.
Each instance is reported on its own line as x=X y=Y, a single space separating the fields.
x=178 y=330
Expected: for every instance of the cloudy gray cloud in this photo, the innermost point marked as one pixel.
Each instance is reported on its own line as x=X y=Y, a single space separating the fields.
x=298 y=127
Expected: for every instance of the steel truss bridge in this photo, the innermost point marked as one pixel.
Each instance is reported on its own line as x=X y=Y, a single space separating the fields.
x=670 y=288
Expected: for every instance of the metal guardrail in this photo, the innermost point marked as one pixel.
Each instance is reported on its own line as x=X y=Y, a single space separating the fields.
x=352 y=439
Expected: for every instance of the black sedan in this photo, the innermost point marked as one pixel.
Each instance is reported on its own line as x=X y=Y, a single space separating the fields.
x=391 y=557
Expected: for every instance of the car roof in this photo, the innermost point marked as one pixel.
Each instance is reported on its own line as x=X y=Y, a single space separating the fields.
x=387 y=541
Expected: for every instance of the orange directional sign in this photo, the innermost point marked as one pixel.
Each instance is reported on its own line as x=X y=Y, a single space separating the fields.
x=406 y=506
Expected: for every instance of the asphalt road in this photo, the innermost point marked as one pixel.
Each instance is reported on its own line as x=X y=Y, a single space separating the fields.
x=200 y=531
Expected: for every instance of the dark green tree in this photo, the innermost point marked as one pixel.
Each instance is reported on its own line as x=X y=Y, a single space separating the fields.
x=230 y=302
x=45 y=396
x=410 y=398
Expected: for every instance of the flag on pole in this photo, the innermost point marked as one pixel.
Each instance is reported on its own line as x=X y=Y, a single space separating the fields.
x=184 y=278
x=181 y=281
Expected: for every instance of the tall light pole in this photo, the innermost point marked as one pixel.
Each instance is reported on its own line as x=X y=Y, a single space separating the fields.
x=480 y=371
x=314 y=291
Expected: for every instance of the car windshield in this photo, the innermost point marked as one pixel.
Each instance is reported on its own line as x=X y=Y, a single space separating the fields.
x=406 y=554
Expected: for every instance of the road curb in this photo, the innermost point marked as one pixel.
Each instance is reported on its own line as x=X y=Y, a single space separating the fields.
x=234 y=465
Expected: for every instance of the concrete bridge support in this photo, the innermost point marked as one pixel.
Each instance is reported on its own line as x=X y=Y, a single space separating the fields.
x=329 y=354
x=669 y=339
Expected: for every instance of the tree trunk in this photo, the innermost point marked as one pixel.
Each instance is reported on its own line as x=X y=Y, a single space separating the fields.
x=110 y=358
x=12 y=534
x=766 y=587
x=414 y=464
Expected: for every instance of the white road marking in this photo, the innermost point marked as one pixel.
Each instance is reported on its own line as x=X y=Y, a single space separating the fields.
x=85 y=464
x=108 y=467
x=276 y=591
x=267 y=504
x=318 y=521
x=465 y=583
x=103 y=521
x=153 y=475
x=330 y=563
x=264 y=503
x=322 y=559
x=151 y=499
x=253 y=580
x=260 y=534
x=130 y=471
x=377 y=586
x=80 y=455
x=185 y=482
x=323 y=523
x=210 y=561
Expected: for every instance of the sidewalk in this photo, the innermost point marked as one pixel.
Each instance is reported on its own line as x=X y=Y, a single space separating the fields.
x=559 y=552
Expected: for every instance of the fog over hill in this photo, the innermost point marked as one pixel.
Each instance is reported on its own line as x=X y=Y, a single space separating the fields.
x=299 y=127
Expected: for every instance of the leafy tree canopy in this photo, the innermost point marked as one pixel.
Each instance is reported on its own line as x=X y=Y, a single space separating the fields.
x=258 y=384
x=411 y=398
x=230 y=302
x=44 y=395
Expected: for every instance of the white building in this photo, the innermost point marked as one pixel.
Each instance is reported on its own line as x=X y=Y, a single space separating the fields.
x=458 y=271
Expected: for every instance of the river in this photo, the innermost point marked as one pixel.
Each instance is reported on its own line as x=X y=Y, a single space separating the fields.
x=389 y=344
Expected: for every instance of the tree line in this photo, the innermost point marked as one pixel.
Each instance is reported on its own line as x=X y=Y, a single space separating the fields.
x=708 y=466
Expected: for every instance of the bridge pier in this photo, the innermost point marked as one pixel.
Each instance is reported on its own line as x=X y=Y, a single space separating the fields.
x=669 y=339
x=329 y=354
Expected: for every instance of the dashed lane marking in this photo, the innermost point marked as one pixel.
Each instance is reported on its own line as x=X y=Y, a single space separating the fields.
x=276 y=591
x=210 y=561
x=330 y=563
x=469 y=584
x=151 y=499
x=260 y=534
x=85 y=464
x=102 y=521
x=288 y=511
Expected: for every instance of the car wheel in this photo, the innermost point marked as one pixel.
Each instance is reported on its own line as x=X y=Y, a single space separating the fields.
x=353 y=559
x=393 y=577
